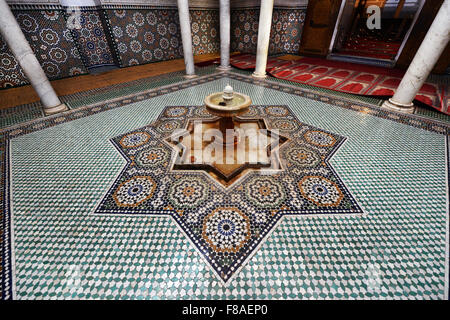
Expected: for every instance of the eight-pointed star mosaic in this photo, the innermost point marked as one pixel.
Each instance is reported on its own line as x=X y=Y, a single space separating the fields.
x=226 y=224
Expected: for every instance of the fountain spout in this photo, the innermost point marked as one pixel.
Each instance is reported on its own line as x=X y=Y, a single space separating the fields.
x=228 y=93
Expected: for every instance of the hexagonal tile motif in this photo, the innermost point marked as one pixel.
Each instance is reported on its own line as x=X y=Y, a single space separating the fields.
x=227 y=222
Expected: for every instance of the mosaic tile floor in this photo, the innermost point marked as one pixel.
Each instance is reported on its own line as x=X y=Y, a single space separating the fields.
x=20 y=114
x=227 y=222
x=58 y=170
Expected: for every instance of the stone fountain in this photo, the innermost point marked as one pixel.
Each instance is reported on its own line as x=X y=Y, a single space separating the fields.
x=227 y=105
x=244 y=143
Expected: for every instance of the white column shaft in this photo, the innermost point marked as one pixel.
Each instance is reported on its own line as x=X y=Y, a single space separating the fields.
x=186 y=36
x=225 y=34
x=426 y=57
x=265 y=23
x=19 y=46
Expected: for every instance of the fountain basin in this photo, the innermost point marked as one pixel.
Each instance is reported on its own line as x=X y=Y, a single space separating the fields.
x=226 y=105
x=217 y=105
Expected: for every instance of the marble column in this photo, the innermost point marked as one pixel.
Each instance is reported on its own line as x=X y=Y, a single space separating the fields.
x=186 y=37
x=426 y=57
x=224 y=35
x=19 y=46
x=265 y=23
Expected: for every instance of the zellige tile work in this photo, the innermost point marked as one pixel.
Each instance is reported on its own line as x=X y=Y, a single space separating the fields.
x=144 y=36
x=92 y=40
x=62 y=167
x=52 y=43
x=285 y=35
x=68 y=41
x=11 y=74
x=226 y=224
x=205 y=26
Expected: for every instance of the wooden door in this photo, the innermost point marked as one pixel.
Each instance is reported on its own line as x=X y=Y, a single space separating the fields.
x=420 y=29
x=319 y=25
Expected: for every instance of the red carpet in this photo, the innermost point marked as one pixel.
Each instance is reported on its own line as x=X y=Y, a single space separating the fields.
x=369 y=47
x=347 y=77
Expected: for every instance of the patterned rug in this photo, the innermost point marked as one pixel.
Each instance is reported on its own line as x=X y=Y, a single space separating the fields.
x=347 y=77
x=227 y=224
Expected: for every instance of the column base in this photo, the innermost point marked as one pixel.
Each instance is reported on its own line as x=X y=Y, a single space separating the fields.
x=222 y=68
x=190 y=76
x=259 y=76
x=56 y=109
x=396 y=106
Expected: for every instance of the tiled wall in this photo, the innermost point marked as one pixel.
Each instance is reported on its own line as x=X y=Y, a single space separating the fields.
x=205 y=27
x=130 y=35
x=144 y=36
x=91 y=39
x=51 y=42
x=11 y=74
x=121 y=36
x=287 y=26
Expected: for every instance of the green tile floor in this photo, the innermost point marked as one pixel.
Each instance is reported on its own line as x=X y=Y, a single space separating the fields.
x=20 y=114
x=397 y=249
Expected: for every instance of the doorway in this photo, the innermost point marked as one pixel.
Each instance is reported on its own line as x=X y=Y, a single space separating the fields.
x=353 y=41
